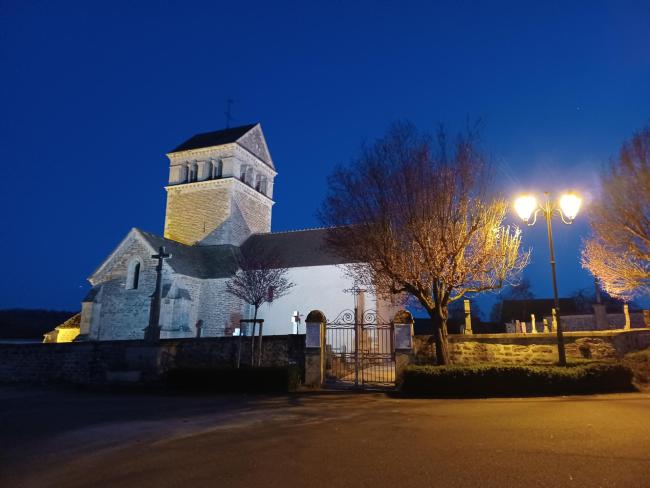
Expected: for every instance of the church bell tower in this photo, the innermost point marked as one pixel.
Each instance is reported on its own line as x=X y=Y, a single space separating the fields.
x=220 y=187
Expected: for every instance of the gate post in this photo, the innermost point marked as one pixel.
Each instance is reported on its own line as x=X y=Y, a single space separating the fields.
x=403 y=340
x=315 y=349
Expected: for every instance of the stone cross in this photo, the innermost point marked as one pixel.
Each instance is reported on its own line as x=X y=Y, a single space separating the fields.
x=152 y=332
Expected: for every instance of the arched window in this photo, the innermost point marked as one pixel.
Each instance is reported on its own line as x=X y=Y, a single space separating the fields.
x=242 y=172
x=217 y=169
x=133 y=275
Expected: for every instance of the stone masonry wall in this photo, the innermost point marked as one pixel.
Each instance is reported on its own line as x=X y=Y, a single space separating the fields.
x=100 y=363
x=195 y=210
x=124 y=313
x=533 y=349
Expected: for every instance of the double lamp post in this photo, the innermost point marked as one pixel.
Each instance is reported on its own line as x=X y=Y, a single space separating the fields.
x=567 y=207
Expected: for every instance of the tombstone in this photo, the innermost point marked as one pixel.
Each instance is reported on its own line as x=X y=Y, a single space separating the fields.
x=553 y=320
x=532 y=322
x=468 y=317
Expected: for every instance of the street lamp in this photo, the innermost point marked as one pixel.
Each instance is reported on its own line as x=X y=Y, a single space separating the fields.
x=568 y=207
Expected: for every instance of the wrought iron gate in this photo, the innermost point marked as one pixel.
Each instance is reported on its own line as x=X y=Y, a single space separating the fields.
x=360 y=351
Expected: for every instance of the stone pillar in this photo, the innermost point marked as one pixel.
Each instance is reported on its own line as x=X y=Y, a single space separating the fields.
x=403 y=341
x=468 y=317
x=600 y=315
x=532 y=323
x=545 y=322
x=626 y=312
x=315 y=349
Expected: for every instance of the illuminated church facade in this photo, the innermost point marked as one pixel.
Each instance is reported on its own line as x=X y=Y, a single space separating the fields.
x=219 y=204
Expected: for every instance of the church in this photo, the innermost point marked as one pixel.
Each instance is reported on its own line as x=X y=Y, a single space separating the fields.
x=219 y=203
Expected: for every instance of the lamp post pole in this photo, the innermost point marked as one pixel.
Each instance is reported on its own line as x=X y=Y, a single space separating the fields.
x=548 y=214
x=526 y=206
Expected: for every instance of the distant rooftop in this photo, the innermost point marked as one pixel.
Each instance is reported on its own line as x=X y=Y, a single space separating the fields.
x=214 y=138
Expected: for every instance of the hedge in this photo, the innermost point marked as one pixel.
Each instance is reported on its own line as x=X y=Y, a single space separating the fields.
x=252 y=380
x=639 y=363
x=501 y=380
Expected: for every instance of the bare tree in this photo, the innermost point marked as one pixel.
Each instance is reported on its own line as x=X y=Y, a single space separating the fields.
x=421 y=223
x=260 y=279
x=618 y=253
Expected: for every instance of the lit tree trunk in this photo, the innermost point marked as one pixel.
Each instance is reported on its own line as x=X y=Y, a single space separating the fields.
x=439 y=317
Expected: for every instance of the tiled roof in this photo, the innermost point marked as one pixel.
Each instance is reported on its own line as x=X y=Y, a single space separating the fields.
x=197 y=261
x=296 y=248
x=214 y=138
x=291 y=249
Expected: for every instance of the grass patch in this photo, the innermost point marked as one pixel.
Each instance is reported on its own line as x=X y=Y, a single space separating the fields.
x=249 y=380
x=502 y=380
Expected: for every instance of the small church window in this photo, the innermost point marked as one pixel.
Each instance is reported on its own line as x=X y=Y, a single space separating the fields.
x=133 y=275
x=192 y=172
x=242 y=173
x=217 y=169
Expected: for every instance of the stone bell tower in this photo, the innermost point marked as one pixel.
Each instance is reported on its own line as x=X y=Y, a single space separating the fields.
x=220 y=187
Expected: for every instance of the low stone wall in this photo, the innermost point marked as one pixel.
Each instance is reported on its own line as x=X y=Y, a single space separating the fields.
x=533 y=348
x=135 y=361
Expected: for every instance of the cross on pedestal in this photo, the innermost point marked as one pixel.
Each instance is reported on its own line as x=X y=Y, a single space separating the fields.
x=152 y=332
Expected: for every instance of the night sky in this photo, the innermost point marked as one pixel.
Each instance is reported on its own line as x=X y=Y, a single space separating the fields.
x=93 y=94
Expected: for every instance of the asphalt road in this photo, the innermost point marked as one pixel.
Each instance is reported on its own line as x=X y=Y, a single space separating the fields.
x=64 y=438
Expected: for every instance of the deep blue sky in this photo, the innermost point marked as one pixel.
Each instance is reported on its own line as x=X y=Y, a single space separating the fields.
x=93 y=94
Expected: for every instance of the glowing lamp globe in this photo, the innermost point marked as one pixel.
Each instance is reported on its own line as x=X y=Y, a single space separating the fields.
x=570 y=205
x=525 y=205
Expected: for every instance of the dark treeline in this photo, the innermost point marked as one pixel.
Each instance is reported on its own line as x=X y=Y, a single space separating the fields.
x=20 y=323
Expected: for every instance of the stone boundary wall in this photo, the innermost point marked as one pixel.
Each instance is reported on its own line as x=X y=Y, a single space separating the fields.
x=107 y=362
x=533 y=348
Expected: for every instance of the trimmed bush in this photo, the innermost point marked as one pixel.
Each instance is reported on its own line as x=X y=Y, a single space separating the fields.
x=501 y=380
x=250 y=380
x=639 y=363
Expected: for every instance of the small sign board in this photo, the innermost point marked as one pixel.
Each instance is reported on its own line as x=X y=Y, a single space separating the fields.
x=313 y=335
x=403 y=336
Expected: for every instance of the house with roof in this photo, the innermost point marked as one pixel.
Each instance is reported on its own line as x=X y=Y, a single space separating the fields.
x=219 y=205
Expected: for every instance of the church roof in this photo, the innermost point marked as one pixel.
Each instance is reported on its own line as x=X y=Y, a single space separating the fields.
x=214 y=138
x=292 y=249
x=295 y=248
x=197 y=261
